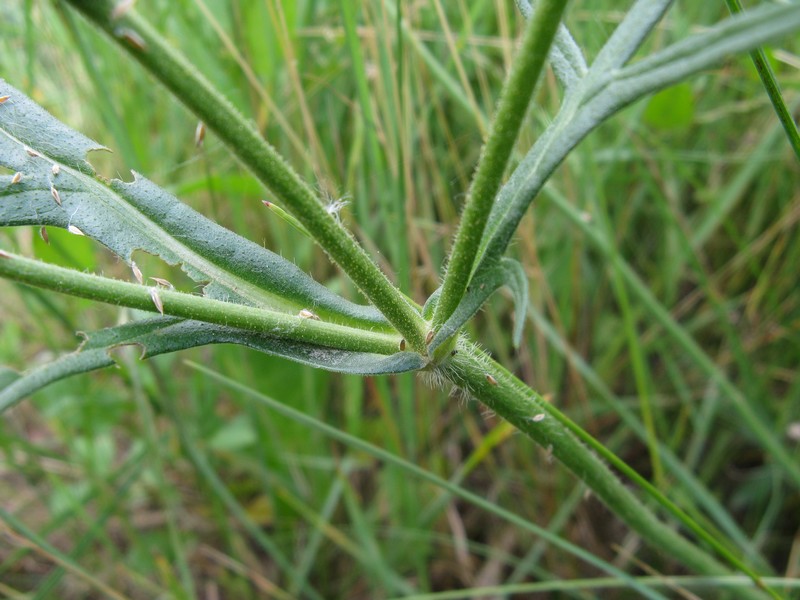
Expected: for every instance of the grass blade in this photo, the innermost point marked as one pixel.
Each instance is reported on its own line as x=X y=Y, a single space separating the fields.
x=417 y=471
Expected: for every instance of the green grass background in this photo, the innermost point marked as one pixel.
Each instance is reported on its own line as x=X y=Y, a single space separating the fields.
x=157 y=480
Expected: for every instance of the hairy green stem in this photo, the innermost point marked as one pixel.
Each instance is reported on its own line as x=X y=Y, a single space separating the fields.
x=522 y=407
x=511 y=111
x=145 y=44
x=198 y=308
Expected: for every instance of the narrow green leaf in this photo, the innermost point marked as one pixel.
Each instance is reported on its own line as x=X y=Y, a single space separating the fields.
x=168 y=334
x=637 y=24
x=736 y=34
x=566 y=57
x=772 y=88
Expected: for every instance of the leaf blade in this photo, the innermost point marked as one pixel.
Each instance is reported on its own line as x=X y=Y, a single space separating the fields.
x=126 y=217
x=169 y=334
x=506 y=272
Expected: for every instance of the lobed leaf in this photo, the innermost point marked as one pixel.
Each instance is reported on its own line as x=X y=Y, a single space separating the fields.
x=593 y=103
x=639 y=21
x=565 y=56
x=126 y=217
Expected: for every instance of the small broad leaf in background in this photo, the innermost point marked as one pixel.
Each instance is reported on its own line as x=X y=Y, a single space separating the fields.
x=671 y=109
x=235 y=434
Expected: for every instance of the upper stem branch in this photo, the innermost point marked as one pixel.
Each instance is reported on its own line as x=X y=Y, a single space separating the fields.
x=511 y=111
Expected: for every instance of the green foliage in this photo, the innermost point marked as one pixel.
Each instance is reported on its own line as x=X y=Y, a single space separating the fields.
x=672 y=108
x=387 y=151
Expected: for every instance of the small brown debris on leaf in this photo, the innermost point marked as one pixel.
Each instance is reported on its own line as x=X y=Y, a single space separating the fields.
x=156 y=299
x=199 y=134
x=137 y=272
x=133 y=39
x=121 y=9
x=163 y=282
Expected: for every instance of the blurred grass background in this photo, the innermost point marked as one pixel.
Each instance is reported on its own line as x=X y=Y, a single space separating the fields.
x=156 y=480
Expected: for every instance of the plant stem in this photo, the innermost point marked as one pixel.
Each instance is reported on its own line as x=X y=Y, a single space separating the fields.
x=522 y=407
x=179 y=304
x=145 y=44
x=511 y=111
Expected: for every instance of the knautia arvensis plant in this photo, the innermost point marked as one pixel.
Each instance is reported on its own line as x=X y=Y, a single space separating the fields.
x=253 y=297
